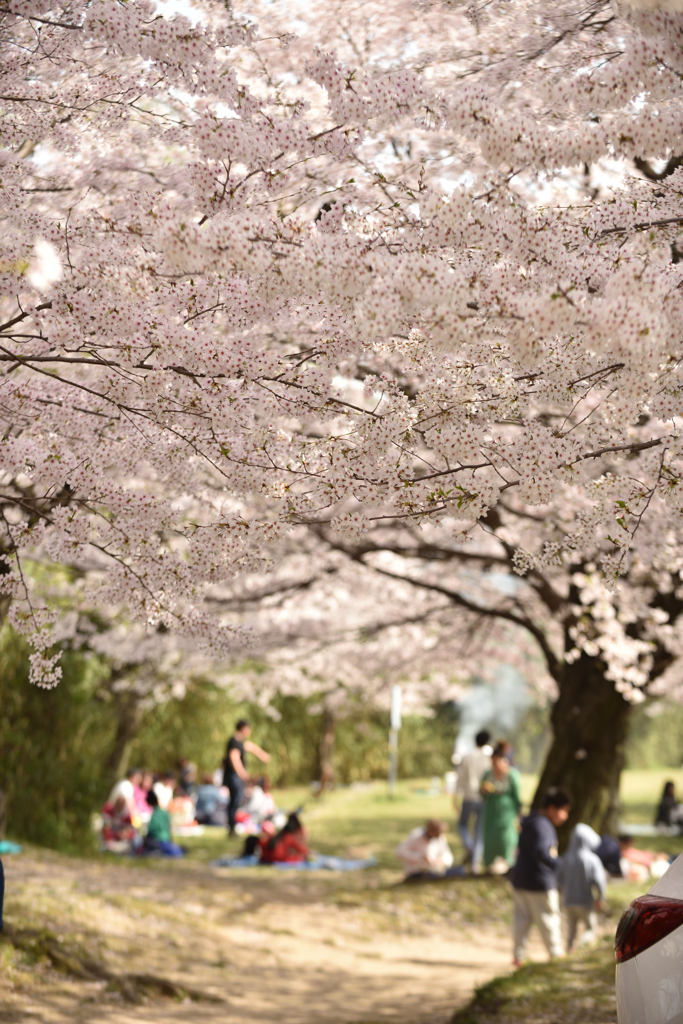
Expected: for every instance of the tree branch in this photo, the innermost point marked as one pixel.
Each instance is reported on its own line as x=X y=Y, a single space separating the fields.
x=497 y=613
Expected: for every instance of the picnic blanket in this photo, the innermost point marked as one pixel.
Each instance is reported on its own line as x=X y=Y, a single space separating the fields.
x=318 y=862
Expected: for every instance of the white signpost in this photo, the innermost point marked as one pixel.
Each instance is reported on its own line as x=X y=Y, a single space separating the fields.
x=395 y=722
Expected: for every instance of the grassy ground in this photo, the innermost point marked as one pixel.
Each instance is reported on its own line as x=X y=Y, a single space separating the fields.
x=357 y=821
x=576 y=990
x=362 y=820
x=369 y=916
x=580 y=988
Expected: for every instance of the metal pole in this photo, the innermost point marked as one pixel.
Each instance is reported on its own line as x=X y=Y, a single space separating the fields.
x=393 y=760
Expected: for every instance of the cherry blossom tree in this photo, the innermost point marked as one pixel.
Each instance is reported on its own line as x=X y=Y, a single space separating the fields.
x=406 y=274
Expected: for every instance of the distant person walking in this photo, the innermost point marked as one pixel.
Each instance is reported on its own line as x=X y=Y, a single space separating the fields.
x=468 y=788
x=501 y=807
x=582 y=880
x=235 y=774
x=534 y=878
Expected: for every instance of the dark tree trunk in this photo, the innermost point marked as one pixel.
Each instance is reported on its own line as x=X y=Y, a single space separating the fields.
x=129 y=717
x=590 y=722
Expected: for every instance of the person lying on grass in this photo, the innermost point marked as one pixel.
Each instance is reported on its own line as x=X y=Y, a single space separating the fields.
x=287 y=846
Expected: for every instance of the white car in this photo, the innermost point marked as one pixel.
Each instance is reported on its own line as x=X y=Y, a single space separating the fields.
x=649 y=952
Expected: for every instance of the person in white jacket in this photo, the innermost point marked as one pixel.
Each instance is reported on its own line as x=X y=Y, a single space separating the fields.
x=425 y=852
x=468 y=790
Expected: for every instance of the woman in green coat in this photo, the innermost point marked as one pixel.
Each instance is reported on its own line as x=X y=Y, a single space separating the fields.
x=502 y=804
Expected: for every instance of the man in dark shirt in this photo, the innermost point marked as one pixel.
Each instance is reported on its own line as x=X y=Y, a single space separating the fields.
x=235 y=775
x=534 y=876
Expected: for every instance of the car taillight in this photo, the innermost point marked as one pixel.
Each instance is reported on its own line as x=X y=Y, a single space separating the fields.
x=647 y=920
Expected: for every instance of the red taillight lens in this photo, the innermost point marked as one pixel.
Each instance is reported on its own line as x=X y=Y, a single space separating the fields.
x=647 y=920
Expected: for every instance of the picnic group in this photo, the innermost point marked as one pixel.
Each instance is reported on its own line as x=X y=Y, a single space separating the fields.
x=545 y=885
x=145 y=814
x=146 y=811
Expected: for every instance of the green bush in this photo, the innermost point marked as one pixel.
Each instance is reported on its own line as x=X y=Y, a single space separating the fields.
x=59 y=745
x=52 y=741
x=656 y=735
x=199 y=726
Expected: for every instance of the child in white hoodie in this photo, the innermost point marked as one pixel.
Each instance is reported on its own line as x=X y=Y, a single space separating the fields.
x=582 y=881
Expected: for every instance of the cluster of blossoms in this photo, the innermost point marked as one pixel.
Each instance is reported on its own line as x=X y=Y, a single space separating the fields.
x=415 y=267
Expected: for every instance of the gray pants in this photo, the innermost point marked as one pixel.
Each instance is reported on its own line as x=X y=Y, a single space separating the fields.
x=472 y=838
x=543 y=910
x=590 y=923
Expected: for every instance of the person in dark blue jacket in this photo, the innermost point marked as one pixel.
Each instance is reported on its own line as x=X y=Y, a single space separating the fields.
x=534 y=878
x=2 y=891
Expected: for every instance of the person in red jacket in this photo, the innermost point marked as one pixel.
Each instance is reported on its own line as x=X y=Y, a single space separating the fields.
x=287 y=846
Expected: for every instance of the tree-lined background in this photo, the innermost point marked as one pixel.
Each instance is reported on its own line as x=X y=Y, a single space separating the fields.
x=61 y=752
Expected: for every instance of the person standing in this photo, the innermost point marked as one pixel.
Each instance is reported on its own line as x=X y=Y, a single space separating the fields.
x=470 y=775
x=534 y=878
x=235 y=774
x=582 y=880
x=501 y=807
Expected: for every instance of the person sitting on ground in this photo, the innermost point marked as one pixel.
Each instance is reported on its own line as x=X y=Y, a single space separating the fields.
x=187 y=778
x=288 y=846
x=609 y=853
x=669 y=810
x=260 y=804
x=117 y=824
x=140 y=791
x=582 y=880
x=211 y=806
x=534 y=881
x=126 y=788
x=639 y=865
x=425 y=853
x=164 y=788
x=158 y=838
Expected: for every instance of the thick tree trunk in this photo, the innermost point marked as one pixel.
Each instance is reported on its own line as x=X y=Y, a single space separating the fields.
x=590 y=723
x=129 y=717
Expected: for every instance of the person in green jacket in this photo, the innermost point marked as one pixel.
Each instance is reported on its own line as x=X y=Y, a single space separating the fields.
x=158 y=838
x=501 y=807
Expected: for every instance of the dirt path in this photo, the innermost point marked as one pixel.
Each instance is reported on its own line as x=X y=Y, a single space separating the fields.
x=299 y=949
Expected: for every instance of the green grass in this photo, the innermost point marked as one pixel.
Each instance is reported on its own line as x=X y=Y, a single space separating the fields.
x=354 y=821
x=577 y=989
x=641 y=790
x=363 y=820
